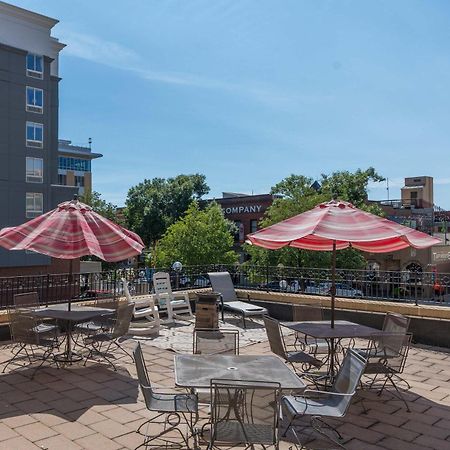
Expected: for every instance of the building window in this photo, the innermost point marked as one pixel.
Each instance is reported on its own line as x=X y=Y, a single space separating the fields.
x=34 y=204
x=253 y=226
x=35 y=100
x=76 y=164
x=35 y=66
x=62 y=179
x=79 y=180
x=34 y=170
x=35 y=134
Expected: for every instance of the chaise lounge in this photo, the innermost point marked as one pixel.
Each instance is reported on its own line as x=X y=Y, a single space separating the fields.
x=222 y=283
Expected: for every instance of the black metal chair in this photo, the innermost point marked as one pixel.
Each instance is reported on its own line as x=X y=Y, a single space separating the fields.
x=119 y=330
x=210 y=342
x=387 y=355
x=172 y=406
x=333 y=403
x=278 y=346
x=309 y=313
x=28 y=338
x=244 y=413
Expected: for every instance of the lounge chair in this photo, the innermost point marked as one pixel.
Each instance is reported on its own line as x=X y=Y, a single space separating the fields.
x=221 y=283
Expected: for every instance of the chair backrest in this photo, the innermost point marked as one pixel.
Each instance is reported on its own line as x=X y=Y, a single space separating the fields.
x=141 y=368
x=395 y=323
x=26 y=299
x=21 y=326
x=275 y=337
x=162 y=287
x=304 y=313
x=123 y=319
x=225 y=342
x=126 y=291
x=222 y=283
x=390 y=350
x=347 y=379
x=245 y=412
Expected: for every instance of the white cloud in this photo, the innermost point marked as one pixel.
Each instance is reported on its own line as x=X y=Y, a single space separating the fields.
x=113 y=54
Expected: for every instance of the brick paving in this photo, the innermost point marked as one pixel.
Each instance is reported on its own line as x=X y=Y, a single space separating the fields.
x=94 y=407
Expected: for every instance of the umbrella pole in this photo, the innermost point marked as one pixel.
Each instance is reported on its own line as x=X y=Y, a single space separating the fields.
x=70 y=284
x=333 y=282
x=333 y=295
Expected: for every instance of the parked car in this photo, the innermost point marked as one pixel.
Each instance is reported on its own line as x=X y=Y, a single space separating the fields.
x=342 y=290
x=281 y=285
x=202 y=281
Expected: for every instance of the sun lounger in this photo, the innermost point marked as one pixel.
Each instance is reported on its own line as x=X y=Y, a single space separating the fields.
x=221 y=283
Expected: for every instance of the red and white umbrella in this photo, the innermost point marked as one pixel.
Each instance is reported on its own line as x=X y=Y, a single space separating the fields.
x=70 y=231
x=336 y=225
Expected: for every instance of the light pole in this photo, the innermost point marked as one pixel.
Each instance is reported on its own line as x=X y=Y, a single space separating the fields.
x=177 y=267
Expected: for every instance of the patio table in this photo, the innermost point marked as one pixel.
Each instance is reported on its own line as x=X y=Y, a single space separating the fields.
x=196 y=371
x=321 y=329
x=70 y=316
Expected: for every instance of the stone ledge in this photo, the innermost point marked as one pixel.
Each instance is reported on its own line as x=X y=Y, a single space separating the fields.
x=425 y=311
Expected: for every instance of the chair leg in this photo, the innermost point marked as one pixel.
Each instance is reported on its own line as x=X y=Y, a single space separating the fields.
x=319 y=430
x=16 y=354
x=123 y=349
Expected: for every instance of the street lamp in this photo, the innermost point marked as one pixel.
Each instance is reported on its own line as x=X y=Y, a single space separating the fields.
x=177 y=267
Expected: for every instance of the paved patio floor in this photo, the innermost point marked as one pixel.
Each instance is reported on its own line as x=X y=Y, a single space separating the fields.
x=94 y=407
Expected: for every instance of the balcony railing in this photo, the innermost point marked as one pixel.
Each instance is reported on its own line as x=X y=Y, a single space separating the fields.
x=406 y=286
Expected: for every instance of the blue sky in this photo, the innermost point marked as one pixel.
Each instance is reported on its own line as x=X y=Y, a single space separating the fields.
x=248 y=92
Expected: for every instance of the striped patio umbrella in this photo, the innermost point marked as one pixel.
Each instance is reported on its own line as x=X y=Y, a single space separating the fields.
x=336 y=225
x=70 y=231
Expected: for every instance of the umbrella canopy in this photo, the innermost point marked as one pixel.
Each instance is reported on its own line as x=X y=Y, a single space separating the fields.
x=340 y=224
x=70 y=231
x=336 y=225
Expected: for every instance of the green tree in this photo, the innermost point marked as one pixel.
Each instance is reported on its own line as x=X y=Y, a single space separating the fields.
x=106 y=209
x=201 y=236
x=153 y=205
x=297 y=196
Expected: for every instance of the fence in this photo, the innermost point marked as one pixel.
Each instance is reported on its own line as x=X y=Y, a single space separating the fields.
x=406 y=286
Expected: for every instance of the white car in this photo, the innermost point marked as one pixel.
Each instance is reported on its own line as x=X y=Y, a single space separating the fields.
x=342 y=290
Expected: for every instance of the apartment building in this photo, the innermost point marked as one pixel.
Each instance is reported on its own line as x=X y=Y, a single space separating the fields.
x=74 y=165
x=29 y=153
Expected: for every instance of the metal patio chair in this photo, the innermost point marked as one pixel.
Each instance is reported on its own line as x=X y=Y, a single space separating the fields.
x=174 y=407
x=278 y=346
x=244 y=413
x=119 y=330
x=309 y=313
x=222 y=283
x=28 y=301
x=333 y=403
x=210 y=342
x=213 y=342
x=28 y=338
x=387 y=355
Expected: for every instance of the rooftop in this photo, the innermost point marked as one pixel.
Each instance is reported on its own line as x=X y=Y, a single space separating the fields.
x=94 y=407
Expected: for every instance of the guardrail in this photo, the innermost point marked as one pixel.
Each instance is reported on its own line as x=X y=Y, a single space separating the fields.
x=406 y=286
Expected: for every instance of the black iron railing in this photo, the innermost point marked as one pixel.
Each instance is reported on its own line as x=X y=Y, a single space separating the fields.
x=406 y=286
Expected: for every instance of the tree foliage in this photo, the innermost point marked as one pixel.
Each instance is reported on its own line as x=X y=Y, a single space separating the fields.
x=296 y=195
x=104 y=208
x=153 y=205
x=199 y=237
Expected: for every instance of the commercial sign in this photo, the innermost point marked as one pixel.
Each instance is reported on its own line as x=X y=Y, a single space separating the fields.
x=242 y=209
x=441 y=256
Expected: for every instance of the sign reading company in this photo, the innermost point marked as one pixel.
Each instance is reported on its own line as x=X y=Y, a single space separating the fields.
x=242 y=209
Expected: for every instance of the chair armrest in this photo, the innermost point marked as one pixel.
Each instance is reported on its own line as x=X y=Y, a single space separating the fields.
x=324 y=393
x=183 y=295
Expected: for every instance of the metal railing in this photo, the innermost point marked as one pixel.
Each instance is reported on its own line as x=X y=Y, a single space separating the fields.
x=406 y=286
